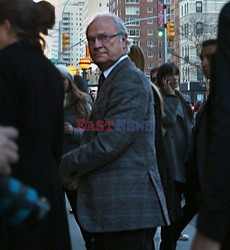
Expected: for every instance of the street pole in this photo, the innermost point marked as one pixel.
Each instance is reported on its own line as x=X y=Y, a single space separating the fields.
x=60 y=33
x=165 y=34
x=140 y=19
x=72 y=46
x=84 y=74
x=59 y=41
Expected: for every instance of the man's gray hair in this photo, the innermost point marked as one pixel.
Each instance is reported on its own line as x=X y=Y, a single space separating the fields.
x=121 y=29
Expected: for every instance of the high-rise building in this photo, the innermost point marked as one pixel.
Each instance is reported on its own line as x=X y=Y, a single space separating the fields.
x=69 y=15
x=142 y=32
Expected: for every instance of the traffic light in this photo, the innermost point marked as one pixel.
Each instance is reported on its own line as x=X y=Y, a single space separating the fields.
x=73 y=70
x=170 y=31
x=87 y=53
x=65 y=41
x=160 y=33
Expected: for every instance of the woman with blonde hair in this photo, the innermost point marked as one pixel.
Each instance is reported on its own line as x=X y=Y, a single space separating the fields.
x=77 y=105
x=136 y=55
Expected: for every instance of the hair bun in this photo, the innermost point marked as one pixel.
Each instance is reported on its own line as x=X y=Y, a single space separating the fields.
x=44 y=16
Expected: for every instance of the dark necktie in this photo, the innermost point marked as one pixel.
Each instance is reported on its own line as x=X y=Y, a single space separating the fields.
x=100 y=82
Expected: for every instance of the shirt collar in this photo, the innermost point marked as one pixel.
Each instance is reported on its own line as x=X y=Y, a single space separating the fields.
x=108 y=71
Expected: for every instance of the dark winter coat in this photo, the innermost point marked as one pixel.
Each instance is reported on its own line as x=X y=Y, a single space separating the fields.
x=172 y=199
x=214 y=214
x=177 y=126
x=31 y=99
x=70 y=115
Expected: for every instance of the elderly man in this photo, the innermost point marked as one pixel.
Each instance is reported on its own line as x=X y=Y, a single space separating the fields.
x=120 y=200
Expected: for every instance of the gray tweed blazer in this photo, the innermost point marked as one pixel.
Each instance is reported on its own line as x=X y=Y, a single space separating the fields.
x=120 y=187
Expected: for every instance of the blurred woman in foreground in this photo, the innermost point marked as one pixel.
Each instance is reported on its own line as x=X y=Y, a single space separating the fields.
x=31 y=100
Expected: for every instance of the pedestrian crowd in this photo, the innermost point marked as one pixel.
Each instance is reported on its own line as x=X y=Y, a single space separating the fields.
x=122 y=184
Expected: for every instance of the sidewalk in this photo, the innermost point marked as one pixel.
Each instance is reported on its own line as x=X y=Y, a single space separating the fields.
x=78 y=242
x=181 y=245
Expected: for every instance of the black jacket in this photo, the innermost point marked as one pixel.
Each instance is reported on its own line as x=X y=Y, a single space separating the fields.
x=31 y=99
x=214 y=217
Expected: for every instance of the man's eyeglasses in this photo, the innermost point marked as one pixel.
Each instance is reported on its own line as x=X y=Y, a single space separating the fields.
x=103 y=38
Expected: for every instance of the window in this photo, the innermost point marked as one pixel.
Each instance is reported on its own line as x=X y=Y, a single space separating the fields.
x=149 y=9
x=132 y=10
x=185 y=30
x=131 y=22
x=132 y=1
x=149 y=32
x=150 y=21
x=160 y=44
x=134 y=32
x=199 y=75
x=199 y=7
x=160 y=55
x=182 y=51
x=150 y=65
x=137 y=42
x=149 y=53
x=150 y=43
x=172 y=14
x=149 y=1
x=199 y=28
x=100 y=4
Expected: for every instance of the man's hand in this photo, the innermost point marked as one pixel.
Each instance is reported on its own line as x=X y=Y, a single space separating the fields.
x=202 y=242
x=68 y=128
x=8 y=149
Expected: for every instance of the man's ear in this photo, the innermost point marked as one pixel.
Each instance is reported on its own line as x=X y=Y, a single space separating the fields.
x=124 y=40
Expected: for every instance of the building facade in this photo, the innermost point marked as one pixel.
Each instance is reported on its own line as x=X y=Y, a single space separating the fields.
x=69 y=15
x=198 y=22
x=173 y=17
x=143 y=32
x=195 y=21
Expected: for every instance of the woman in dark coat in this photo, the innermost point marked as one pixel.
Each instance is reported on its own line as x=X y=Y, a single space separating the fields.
x=31 y=99
x=177 y=123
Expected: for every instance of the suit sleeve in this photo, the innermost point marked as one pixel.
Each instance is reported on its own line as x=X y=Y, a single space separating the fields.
x=214 y=217
x=129 y=100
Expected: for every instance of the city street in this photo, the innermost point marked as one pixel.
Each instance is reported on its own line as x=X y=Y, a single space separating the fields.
x=78 y=242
